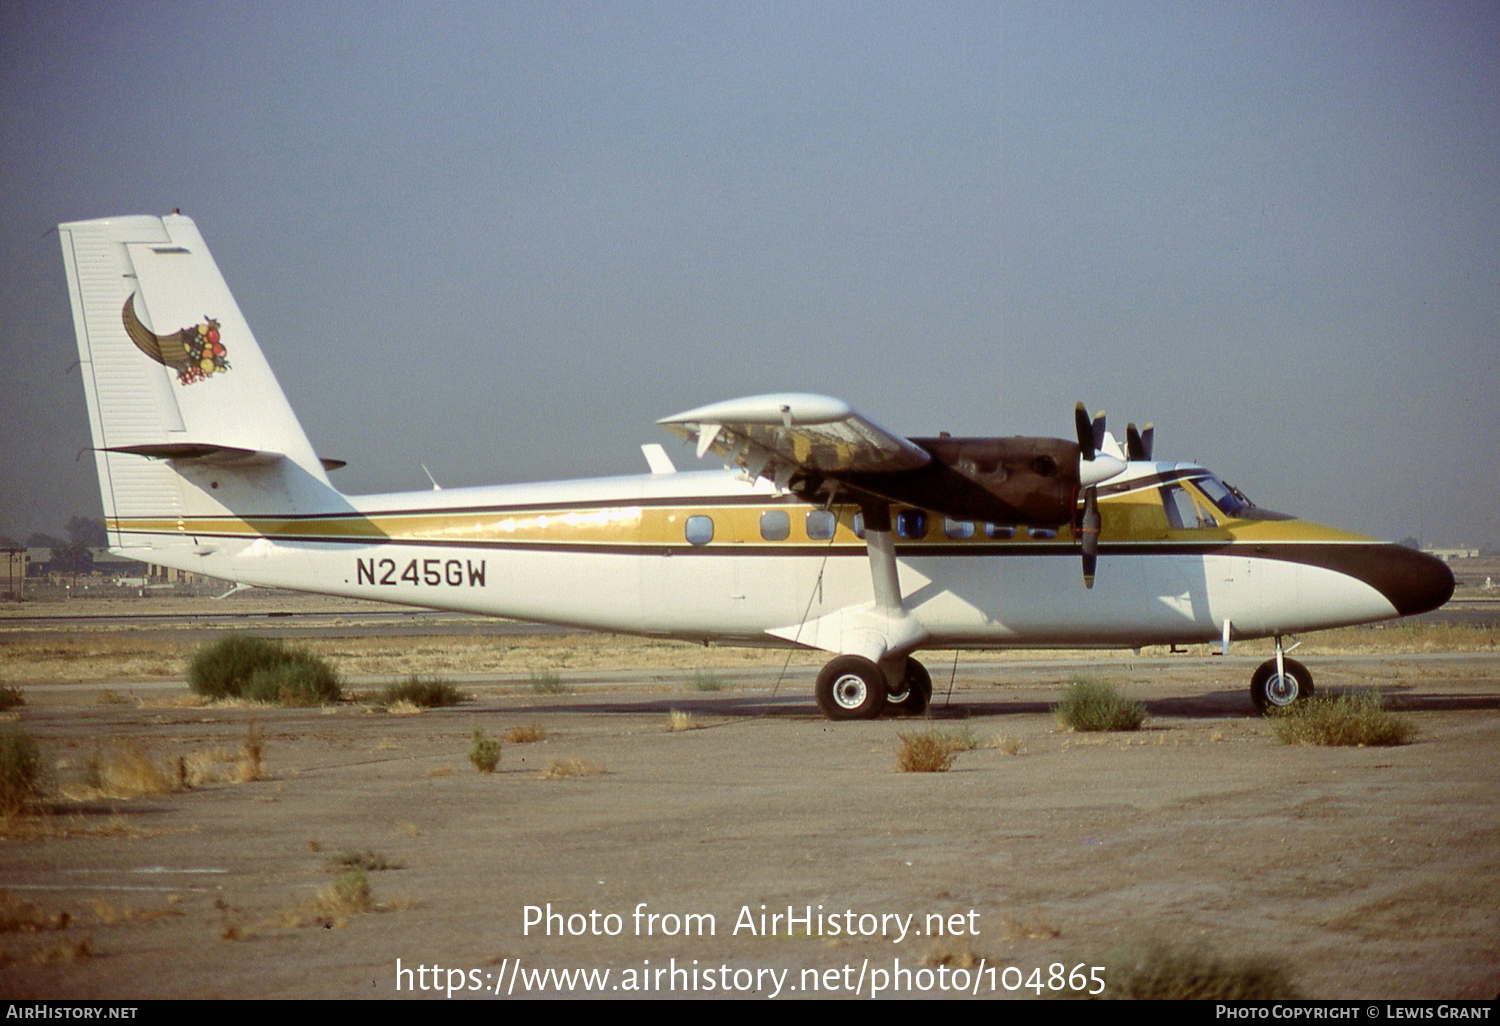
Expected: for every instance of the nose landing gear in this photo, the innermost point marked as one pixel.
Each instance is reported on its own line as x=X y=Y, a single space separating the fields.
x=1280 y=683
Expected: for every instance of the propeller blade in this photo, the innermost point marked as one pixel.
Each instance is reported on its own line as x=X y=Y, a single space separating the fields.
x=1138 y=441
x=1089 y=534
x=1098 y=430
x=1085 y=432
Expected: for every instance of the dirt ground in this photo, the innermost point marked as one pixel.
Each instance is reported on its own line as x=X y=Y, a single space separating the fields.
x=1364 y=872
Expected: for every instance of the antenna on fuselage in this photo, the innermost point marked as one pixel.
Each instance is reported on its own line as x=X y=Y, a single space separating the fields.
x=435 y=486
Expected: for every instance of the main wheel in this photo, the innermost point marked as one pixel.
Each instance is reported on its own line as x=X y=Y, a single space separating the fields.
x=1268 y=690
x=916 y=693
x=851 y=688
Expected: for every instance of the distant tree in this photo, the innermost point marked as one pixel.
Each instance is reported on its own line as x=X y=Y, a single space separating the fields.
x=7 y=542
x=72 y=558
x=38 y=540
x=1410 y=542
x=87 y=531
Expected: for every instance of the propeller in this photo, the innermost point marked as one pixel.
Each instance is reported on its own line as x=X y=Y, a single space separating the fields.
x=1093 y=468
x=1138 y=442
x=1089 y=534
x=1090 y=432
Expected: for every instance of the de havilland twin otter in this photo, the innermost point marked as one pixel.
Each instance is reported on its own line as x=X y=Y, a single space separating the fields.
x=824 y=530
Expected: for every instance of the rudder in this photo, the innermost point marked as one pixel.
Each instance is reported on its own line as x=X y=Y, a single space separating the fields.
x=187 y=419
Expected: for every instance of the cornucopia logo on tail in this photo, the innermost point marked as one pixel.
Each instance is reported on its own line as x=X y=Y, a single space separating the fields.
x=194 y=353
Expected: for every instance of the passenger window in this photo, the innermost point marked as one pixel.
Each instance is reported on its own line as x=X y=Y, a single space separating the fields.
x=958 y=528
x=1001 y=531
x=775 y=525
x=820 y=524
x=858 y=524
x=699 y=530
x=911 y=524
x=1042 y=532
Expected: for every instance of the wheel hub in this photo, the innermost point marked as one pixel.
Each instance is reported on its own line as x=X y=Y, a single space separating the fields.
x=849 y=691
x=1282 y=689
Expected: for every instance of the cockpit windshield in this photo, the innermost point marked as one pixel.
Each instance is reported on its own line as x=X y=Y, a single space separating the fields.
x=1231 y=501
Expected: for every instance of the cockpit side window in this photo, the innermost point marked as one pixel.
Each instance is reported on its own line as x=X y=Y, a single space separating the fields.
x=1181 y=512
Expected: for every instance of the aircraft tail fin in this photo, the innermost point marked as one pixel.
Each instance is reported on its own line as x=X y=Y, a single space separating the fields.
x=187 y=419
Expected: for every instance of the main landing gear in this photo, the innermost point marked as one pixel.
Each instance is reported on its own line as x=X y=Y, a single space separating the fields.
x=1280 y=683
x=852 y=687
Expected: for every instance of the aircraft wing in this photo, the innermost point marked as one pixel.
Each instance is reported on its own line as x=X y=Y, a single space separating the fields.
x=774 y=436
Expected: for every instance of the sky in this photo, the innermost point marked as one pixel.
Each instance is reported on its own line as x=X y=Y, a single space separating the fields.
x=502 y=239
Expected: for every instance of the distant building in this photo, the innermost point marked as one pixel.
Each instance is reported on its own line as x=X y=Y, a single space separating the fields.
x=1449 y=555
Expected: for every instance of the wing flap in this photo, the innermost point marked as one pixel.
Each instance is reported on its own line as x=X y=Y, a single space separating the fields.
x=776 y=435
x=202 y=452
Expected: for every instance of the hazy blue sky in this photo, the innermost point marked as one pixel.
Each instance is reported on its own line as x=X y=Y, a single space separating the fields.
x=502 y=239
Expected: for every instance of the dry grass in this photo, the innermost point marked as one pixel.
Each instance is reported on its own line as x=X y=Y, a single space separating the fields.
x=1342 y=720
x=559 y=768
x=679 y=720
x=524 y=734
x=928 y=751
x=252 y=753
x=127 y=771
x=421 y=692
x=210 y=766
x=367 y=861
x=60 y=953
x=335 y=905
x=48 y=827
x=439 y=771
x=953 y=958
x=17 y=916
x=99 y=655
x=10 y=697
x=401 y=707
x=108 y=914
x=1160 y=972
x=108 y=697
x=1007 y=745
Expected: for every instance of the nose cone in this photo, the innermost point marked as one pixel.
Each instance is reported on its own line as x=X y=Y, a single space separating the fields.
x=1413 y=581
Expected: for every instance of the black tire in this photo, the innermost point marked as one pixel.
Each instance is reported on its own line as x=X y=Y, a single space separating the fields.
x=1269 y=693
x=851 y=688
x=917 y=693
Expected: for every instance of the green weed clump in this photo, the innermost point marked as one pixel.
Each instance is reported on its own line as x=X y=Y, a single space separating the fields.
x=20 y=772
x=706 y=680
x=1351 y=720
x=263 y=670
x=1093 y=704
x=1161 y=973
x=547 y=682
x=423 y=692
x=484 y=751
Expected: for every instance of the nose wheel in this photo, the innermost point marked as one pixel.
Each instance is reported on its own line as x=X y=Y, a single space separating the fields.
x=1271 y=688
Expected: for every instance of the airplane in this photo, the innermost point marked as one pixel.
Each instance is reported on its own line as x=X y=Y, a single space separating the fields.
x=822 y=531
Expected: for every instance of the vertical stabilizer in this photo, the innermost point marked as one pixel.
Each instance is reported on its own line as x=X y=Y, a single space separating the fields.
x=187 y=418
